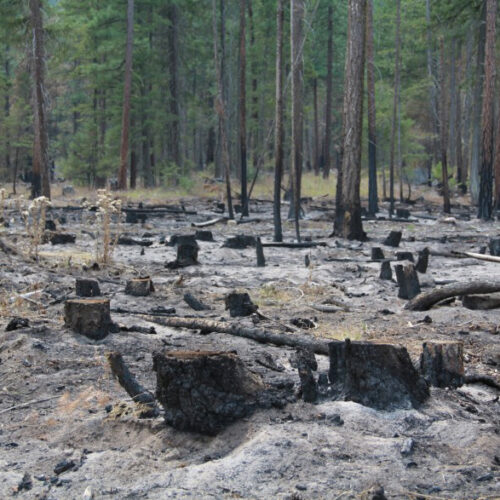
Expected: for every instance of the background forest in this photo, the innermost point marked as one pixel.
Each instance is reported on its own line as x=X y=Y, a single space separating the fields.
x=437 y=61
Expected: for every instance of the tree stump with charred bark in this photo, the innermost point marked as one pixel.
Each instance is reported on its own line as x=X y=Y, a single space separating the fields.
x=404 y=256
x=377 y=254
x=204 y=391
x=201 y=235
x=306 y=364
x=442 y=363
x=187 y=255
x=240 y=242
x=139 y=287
x=240 y=304
x=182 y=239
x=409 y=286
x=61 y=238
x=394 y=239
x=89 y=317
x=495 y=247
x=86 y=287
x=385 y=270
x=477 y=302
x=380 y=376
x=423 y=261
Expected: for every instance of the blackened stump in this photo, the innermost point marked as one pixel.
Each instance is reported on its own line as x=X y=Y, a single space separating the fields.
x=86 y=287
x=204 y=235
x=187 y=255
x=240 y=242
x=306 y=364
x=139 y=287
x=61 y=238
x=182 y=239
x=495 y=247
x=407 y=277
x=385 y=270
x=261 y=260
x=377 y=253
x=423 y=261
x=442 y=363
x=394 y=239
x=194 y=303
x=89 y=317
x=404 y=256
x=380 y=376
x=239 y=304
x=204 y=391
x=402 y=213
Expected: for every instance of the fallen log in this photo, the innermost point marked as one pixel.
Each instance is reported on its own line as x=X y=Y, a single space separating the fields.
x=261 y=336
x=135 y=390
x=479 y=256
x=304 y=244
x=210 y=222
x=425 y=301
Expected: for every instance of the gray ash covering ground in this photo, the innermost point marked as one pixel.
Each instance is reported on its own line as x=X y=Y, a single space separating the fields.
x=448 y=448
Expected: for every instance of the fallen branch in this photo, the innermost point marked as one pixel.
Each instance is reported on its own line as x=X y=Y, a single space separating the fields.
x=130 y=384
x=425 y=301
x=261 y=336
x=29 y=403
x=210 y=222
x=482 y=379
x=479 y=256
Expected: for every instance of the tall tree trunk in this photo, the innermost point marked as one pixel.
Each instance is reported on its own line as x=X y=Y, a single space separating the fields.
x=329 y=96
x=453 y=106
x=296 y=42
x=41 y=181
x=242 y=113
x=220 y=109
x=7 y=111
x=316 y=128
x=459 y=151
x=219 y=170
x=127 y=91
x=467 y=111
x=372 y=128
x=433 y=105
x=444 y=130
x=394 y=108
x=348 y=221
x=476 y=117
x=487 y=120
x=173 y=101
x=255 y=98
x=278 y=125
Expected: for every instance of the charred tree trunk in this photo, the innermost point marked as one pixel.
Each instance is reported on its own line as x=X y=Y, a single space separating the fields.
x=487 y=120
x=348 y=220
x=242 y=110
x=278 y=126
x=133 y=169
x=444 y=131
x=372 y=130
x=316 y=128
x=452 y=129
x=394 y=108
x=329 y=96
x=127 y=90
x=41 y=182
x=297 y=36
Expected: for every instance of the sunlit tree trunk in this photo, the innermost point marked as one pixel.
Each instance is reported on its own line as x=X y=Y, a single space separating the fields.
x=348 y=219
x=487 y=119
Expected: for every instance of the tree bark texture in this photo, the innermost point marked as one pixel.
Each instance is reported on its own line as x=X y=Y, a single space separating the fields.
x=242 y=110
x=329 y=96
x=444 y=131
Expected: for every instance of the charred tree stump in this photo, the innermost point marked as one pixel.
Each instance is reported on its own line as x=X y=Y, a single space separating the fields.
x=442 y=363
x=187 y=255
x=385 y=270
x=194 y=303
x=403 y=213
x=239 y=304
x=423 y=261
x=261 y=260
x=87 y=287
x=204 y=235
x=182 y=239
x=380 y=376
x=377 y=254
x=204 y=391
x=495 y=247
x=144 y=399
x=409 y=286
x=139 y=287
x=394 y=239
x=61 y=238
x=240 y=242
x=306 y=364
x=404 y=256
x=89 y=317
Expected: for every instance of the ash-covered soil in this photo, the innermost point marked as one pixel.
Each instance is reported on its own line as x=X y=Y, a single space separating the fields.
x=59 y=404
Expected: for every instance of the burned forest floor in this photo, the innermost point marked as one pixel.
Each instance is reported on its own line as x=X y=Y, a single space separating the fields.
x=68 y=430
